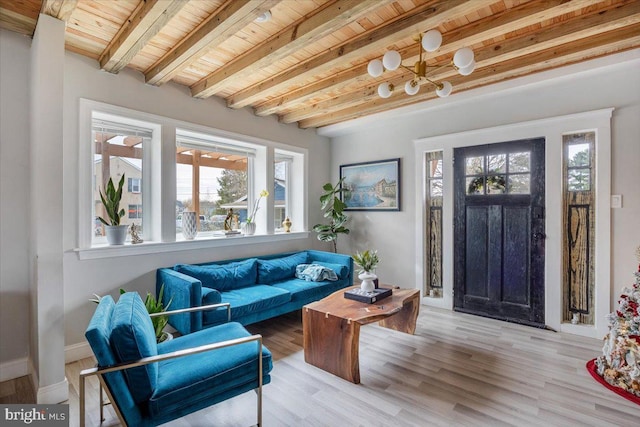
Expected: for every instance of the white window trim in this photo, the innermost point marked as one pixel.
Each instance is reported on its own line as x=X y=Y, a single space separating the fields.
x=552 y=130
x=160 y=234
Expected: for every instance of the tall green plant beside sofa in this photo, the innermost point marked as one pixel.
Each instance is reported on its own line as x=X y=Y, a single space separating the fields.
x=257 y=288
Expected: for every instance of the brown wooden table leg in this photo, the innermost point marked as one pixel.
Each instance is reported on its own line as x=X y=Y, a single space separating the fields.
x=405 y=319
x=331 y=343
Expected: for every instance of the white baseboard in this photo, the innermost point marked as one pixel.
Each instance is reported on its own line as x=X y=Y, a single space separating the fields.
x=14 y=369
x=76 y=352
x=54 y=393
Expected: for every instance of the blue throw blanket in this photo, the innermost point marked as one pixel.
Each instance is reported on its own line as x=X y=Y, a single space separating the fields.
x=315 y=273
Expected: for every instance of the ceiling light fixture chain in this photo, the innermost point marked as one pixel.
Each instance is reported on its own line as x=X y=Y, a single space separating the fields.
x=463 y=62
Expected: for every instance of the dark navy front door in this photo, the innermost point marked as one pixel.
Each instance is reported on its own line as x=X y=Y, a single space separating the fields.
x=499 y=230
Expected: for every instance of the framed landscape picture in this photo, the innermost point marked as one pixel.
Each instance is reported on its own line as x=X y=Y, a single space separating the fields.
x=372 y=186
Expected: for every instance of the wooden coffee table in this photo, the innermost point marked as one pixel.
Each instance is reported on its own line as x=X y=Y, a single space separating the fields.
x=331 y=328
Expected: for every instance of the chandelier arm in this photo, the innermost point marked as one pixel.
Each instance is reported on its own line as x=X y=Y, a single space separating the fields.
x=407 y=68
x=436 y=84
x=434 y=68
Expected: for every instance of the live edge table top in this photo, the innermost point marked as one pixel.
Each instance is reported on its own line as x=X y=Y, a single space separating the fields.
x=337 y=305
x=331 y=328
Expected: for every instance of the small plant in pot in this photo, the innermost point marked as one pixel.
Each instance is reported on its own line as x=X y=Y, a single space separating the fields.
x=367 y=261
x=116 y=233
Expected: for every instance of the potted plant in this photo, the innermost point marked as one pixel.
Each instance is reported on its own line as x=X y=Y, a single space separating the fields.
x=367 y=261
x=116 y=233
x=153 y=306
x=249 y=227
x=333 y=209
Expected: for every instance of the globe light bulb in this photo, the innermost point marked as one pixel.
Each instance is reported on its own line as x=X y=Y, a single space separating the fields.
x=431 y=40
x=375 y=68
x=411 y=87
x=468 y=69
x=463 y=57
x=385 y=89
x=445 y=90
x=391 y=60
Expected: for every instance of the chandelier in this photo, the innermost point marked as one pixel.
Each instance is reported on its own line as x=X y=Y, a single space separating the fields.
x=463 y=62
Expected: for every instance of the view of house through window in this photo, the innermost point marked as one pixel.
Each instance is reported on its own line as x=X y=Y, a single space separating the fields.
x=117 y=151
x=281 y=172
x=212 y=180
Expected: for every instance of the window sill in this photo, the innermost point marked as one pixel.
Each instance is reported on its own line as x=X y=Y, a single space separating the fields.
x=204 y=243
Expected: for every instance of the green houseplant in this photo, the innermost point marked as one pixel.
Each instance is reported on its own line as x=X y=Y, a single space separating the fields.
x=153 y=305
x=116 y=233
x=367 y=261
x=333 y=209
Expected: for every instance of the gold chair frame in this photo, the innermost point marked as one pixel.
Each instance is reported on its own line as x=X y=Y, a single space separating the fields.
x=99 y=372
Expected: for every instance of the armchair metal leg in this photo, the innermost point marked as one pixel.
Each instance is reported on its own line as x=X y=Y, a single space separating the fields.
x=81 y=400
x=259 y=389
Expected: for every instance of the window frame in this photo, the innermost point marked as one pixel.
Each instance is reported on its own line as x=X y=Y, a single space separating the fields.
x=159 y=212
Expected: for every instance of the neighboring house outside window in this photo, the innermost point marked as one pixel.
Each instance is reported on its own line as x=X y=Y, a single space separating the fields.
x=135 y=185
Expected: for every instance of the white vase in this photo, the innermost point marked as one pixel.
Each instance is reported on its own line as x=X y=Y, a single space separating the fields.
x=367 y=284
x=116 y=234
x=249 y=228
x=189 y=225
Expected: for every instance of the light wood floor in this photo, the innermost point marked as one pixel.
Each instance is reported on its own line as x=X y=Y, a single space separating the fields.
x=457 y=370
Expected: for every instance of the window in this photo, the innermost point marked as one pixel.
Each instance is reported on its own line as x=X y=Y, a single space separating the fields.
x=579 y=217
x=211 y=179
x=135 y=185
x=213 y=171
x=281 y=177
x=506 y=173
x=135 y=211
x=433 y=224
x=118 y=149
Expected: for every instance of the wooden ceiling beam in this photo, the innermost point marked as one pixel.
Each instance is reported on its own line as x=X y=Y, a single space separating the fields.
x=144 y=23
x=564 y=32
x=485 y=29
x=581 y=50
x=418 y=20
x=220 y=26
x=13 y=21
x=303 y=32
x=59 y=9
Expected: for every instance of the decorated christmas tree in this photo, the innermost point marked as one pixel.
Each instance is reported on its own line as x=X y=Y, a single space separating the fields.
x=619 y=364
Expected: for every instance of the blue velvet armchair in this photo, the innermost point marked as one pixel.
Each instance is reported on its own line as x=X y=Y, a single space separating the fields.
x=150 y=384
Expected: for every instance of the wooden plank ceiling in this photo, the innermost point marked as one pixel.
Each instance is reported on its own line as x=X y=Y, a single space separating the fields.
x=308 y=63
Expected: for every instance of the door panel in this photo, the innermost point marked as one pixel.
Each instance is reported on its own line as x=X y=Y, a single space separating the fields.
x=498 y=224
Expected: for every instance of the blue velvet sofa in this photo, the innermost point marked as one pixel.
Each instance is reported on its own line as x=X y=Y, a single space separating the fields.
x=151 y=384
x=257 y=288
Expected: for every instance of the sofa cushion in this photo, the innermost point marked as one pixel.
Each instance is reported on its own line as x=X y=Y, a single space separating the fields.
x=340 y=269
x=132 y=338
x=223 y=277
x=276 y=269
x=248 y=300
x=219 y=371
x=315 y=273
x=210 y=296
x=304 y=290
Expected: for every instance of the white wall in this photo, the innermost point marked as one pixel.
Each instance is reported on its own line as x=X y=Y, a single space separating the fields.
x=544 y=95
x=83 y=79
x=15 y=227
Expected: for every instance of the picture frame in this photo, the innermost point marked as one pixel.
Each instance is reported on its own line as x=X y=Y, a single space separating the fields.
x=371 y=186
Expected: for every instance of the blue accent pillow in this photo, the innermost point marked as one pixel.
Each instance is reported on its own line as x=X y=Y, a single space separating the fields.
x=132 y=338
x=223 y=277
x=340 y=269
x=274 y=270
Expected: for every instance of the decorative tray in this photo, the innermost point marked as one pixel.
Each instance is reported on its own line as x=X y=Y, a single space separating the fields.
x=358 y=294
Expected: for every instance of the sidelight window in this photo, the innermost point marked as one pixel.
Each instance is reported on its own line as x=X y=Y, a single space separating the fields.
x=433 y=224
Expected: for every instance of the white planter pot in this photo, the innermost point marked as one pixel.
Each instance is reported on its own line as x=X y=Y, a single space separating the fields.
x=189 y=225
x=116 y=234
x=367 y=284
x=249 y=228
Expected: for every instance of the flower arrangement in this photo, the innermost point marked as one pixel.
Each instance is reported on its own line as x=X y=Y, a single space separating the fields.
x=250 y=218
x=367 y=260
